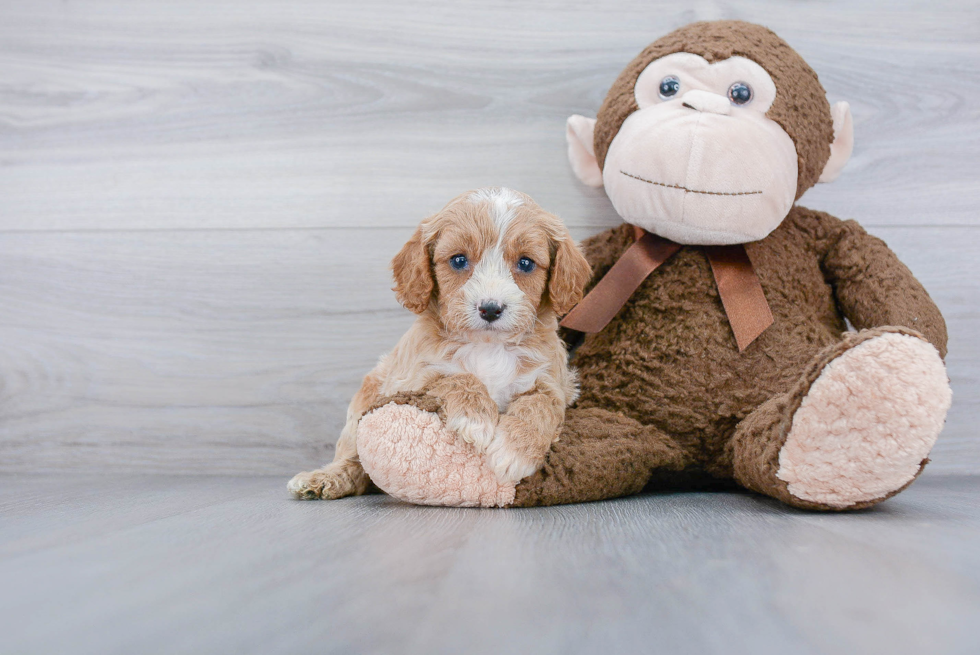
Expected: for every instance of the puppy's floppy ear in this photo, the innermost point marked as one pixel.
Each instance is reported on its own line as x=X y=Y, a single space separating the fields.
x=413 y=274
x=570 y=272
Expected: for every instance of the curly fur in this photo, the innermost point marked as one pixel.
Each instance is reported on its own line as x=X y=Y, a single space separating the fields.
x=503 y=385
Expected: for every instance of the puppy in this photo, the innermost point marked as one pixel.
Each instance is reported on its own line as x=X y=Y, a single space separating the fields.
x=488 y=277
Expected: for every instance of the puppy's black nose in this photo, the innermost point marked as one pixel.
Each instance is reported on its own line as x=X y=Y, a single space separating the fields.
x=490 y=311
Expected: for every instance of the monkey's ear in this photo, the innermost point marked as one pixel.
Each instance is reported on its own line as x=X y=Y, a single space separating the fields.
x=413 y=274
x=843 y=145
x=579 y=132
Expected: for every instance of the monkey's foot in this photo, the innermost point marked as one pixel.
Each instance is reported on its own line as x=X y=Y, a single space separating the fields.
x=410 y=454
x=865 y=427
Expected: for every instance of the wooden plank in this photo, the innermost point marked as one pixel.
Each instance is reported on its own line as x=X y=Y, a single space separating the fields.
x=128 y=564
x=238 y=351
x=254 y=115
x=119 y=350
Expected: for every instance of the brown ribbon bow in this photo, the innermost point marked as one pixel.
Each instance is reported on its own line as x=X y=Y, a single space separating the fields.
x=741 y=293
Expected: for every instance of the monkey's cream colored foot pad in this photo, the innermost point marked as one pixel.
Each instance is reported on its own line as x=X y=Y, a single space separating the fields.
x=412 y=456
x=867 y=423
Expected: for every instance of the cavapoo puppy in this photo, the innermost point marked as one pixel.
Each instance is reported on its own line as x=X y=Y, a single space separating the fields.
x=488 y=277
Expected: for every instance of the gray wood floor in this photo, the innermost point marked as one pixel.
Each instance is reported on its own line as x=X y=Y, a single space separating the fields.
x=198 y=202
x=228 y=565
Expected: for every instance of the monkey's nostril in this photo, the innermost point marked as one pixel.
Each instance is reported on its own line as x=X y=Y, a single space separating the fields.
x=490 y=311
x=707 y=102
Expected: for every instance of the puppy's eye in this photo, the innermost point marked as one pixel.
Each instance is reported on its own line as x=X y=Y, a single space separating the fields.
x=526 y=264
x=458 y=262
x=740 y=93
x=669 y=86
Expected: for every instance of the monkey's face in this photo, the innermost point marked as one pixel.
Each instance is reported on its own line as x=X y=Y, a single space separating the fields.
x=699 y=162
x=711 y=133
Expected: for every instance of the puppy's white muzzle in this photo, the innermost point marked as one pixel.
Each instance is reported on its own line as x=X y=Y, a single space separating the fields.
x=491 y=294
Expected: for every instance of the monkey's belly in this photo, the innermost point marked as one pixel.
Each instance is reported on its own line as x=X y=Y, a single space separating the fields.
x=669 y=358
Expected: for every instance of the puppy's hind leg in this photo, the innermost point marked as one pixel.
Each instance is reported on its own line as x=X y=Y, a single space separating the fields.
x=335 y=480
x=344 y=476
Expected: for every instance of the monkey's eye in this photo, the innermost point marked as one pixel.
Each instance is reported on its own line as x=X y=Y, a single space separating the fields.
x=458 y=262
x=526 y=264
x=740 y=93
x=669 y=86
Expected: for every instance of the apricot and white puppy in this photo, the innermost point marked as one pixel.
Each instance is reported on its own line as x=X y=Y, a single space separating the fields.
x=488 y=276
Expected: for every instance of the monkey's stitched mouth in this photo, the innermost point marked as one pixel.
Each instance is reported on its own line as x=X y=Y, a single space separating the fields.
x=684 y=188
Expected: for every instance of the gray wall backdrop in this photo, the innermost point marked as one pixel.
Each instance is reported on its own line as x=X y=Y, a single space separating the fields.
x=199 y=200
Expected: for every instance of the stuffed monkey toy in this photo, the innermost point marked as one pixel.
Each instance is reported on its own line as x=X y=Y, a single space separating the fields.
x=714 y=343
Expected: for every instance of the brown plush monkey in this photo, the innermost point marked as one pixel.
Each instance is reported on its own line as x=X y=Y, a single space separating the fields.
x=718 y=346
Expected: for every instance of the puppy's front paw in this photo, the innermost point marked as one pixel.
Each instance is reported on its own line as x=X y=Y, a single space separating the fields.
x=472 y=429
x=327 y=484
x=512 y=456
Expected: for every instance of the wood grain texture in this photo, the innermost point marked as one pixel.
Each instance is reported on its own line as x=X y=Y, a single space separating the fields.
x=198 y=201
x=229 y=565
x=238 y=351
x=132 y=115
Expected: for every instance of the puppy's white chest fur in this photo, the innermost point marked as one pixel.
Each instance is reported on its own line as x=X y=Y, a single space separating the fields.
x=498 y=367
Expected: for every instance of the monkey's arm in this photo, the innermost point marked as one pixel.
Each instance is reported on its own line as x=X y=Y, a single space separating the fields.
x=872 y=286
